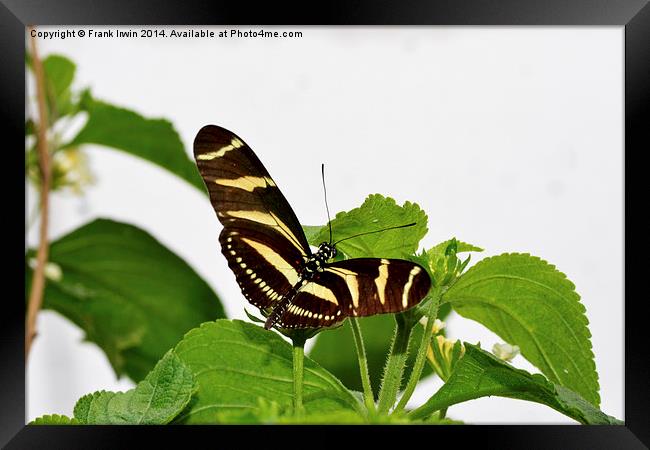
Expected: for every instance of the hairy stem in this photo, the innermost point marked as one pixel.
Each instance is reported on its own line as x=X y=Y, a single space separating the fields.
x=298 y=374
x=394 y=365
x=422 y=351
x=363 y=365
x=35 y=300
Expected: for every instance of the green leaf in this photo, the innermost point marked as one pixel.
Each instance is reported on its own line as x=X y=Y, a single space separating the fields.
x=156 y=400
x=481 y=374
x=461 y=247
x=132 y=296
x=237 y=365
x=527 y=302
x=334 y=350
x=312 y=232
x=54 y=419
x=272 y=414
x=59 y=72
x=375 y=213
x=154 y=140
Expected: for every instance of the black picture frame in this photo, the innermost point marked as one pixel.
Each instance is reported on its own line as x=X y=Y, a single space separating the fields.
x=634 y=15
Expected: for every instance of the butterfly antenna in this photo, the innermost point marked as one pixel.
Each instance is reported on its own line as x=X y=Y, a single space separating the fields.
x=329 y=221
x=375 y=231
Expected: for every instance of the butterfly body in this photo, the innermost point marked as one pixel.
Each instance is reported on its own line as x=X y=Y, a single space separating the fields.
x=310 y=268
x=317 y=261
x=268 y=252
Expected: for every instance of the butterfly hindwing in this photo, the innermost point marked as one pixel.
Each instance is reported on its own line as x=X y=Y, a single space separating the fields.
x=262 y=238
x=357 y=287
x=264 y=266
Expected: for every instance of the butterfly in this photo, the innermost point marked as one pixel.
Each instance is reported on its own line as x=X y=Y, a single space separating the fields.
x=267 y=250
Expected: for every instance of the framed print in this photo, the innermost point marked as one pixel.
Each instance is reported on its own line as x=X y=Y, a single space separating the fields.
x=369 y=217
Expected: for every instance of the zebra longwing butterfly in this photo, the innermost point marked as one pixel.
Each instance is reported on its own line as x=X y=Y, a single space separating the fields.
x=268 y=252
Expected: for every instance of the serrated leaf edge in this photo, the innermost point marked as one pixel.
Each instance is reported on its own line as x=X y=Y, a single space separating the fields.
x=581 y=316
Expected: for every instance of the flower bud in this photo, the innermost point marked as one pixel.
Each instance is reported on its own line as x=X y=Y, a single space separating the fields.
x=505 y=352
x=443 y=354
x=438 y=325
x=70 y=170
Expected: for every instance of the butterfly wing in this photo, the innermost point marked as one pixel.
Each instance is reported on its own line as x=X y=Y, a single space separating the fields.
x=262 y=239
x=357 y=287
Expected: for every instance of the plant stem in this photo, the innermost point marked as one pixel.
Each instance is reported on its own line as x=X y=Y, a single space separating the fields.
x=422 y=351
x=394 y=365
x=38 y=280
x=363 y=365
x=298 y=374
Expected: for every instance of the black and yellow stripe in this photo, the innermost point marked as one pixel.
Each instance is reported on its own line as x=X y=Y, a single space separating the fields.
x=240 y=188
x=357 y=287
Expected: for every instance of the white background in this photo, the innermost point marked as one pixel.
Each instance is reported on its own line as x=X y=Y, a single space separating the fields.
x=509 y=138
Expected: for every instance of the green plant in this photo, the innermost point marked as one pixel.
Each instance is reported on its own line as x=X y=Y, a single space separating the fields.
x=192 y=365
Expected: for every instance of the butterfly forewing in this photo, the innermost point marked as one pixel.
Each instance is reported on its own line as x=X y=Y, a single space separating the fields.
x=262 y=238
x=357 y=287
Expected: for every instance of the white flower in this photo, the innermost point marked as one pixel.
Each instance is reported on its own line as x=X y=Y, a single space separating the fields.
x=505 y=352
x=438 y=325
x=71 y=170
